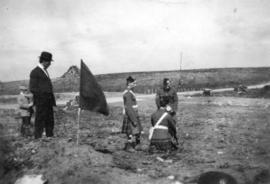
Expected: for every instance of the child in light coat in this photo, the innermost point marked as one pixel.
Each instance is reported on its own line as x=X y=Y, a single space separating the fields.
x=26 y=110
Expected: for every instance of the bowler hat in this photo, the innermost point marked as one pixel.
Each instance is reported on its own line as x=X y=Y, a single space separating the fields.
x=46 y=56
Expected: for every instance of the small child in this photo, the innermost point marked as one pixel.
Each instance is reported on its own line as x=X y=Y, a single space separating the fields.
x=26 y=110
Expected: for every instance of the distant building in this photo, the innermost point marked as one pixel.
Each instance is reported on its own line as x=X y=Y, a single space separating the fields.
x=241 y=89
x=206 y=92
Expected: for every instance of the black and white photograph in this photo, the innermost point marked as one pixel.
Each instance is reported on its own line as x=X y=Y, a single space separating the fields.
x=134 y=92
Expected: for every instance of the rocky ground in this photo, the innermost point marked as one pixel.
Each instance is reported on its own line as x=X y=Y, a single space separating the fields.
x=216 y=134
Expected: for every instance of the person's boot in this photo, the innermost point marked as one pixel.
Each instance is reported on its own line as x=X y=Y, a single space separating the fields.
x=138 y=141
x=138 y=147
x=129 y=147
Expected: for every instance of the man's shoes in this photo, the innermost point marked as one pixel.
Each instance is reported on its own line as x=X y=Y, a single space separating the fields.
x=47 y=139
x=129 y=148
x=138 y=147
x=50 y=138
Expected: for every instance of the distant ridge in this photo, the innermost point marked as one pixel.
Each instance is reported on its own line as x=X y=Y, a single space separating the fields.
x=73 y=71
x=69 y=81
x=148 y=82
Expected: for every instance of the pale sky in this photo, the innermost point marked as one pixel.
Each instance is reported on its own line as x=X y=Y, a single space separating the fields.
x=132 y=35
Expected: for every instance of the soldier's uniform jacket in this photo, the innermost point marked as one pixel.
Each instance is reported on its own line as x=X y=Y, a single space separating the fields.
x=170 y=94
x=166 y=130
x=23 y=102
x=131 y=124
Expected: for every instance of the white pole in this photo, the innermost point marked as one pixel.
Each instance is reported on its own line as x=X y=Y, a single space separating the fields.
x=180 y=82
x=78 y=130
x=181 y=55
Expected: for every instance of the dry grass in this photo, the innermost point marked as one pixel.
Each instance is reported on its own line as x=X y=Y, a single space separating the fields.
x=148 y=82
x=216 y=133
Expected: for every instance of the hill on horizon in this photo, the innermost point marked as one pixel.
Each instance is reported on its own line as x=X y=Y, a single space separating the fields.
x=148 y=82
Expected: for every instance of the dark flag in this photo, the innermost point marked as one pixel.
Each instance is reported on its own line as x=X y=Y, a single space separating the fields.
x=92 y=97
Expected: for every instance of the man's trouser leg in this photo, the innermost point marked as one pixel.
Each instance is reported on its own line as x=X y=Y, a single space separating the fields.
x=49 y=124
x=41 y=116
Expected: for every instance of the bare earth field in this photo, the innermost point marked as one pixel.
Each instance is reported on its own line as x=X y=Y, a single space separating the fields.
x=216 y=133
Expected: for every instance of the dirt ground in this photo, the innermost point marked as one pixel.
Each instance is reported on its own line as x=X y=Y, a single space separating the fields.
x=216 y=134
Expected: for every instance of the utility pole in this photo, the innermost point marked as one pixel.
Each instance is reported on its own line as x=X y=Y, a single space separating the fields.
x=180 y=81
x=181 y=56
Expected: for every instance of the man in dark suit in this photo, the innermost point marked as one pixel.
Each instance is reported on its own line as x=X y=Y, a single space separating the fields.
x=44 y=100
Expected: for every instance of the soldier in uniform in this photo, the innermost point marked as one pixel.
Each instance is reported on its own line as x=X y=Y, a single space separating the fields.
x=162 y=134
x=170 y=93
x=131 y=123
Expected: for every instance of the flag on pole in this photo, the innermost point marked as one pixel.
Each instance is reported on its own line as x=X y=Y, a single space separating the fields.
x=92 y=97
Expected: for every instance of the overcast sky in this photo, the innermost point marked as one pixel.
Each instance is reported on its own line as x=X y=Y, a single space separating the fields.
x=132 y=35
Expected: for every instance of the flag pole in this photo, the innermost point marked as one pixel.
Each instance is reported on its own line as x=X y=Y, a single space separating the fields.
x=79 y=109
x=181 y=56
x=78 y=130
x=180 y=81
